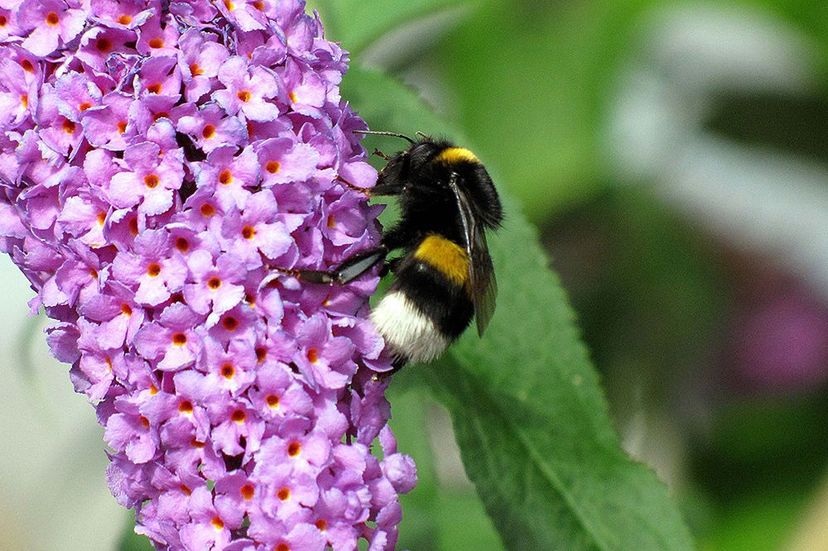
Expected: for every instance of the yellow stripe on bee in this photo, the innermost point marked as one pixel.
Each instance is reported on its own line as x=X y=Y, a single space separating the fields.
x=451 y=155
x=447 y=257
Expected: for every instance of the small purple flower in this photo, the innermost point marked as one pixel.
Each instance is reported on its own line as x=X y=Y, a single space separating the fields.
x=107 y=127
x=230 y=176
x=200 y=58
x=306 y=92
x=247 y=90
x=256 y=231
x=76 y=94
x=210 y=128
x=149 y=180
x=18 y=95
x=120 y=14
x=151 y=268
x=215 y=283
x=171 y=340
x=283 y=161
x=51 y=23
x=130 y=432
x=246 y=14
x=157 y=39
x=8 y=22
x=324 y=360
x=98 y=43
x=160 y=82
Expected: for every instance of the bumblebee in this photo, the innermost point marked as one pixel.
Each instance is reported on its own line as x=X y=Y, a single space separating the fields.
x=445 y=276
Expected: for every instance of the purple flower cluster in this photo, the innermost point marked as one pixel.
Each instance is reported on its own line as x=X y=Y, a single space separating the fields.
x=163 y=167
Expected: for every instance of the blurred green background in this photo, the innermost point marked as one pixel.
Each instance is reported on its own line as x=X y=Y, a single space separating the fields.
x=673 y=155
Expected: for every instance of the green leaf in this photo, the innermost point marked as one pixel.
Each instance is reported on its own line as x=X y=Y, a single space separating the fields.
x=529 y=415
x=434 y=516
x=356 y=23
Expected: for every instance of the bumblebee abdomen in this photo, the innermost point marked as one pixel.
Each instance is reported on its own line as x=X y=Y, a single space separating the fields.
x=428 y=305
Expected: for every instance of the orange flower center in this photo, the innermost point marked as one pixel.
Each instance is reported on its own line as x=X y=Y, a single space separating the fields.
x=179 y=339
x=156 y=43
x=68 y=126
x=154 y=269
x=272 y=401
x=273 y=167
x=207 y=210
x=244 y=95
x=247 y=491
x=248 y=232
x=52 y=18
x=217 y=523
x=313 y=355
x=84 y=106
x=182 y=244
x=228 y=371
x=154 y=88
x=225 y=176
x=26 y=64
x=122 y=127
x=294 y=448
x=238 y=416
x=151 y=180
x=24 y=100
x=195 y=70
x=144 y=422
x=125 y=19
x=185 y=406
x=214 y=283
x=208 y=131
x=230 y=323
x=283 y=494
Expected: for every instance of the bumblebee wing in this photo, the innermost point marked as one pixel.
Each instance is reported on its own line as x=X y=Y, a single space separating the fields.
x=482 y=282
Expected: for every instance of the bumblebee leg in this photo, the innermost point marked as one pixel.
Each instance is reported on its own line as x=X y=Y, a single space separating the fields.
x=346 y=272
x=387 y=188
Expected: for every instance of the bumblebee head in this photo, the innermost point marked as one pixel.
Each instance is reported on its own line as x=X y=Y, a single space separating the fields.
x=404 y=166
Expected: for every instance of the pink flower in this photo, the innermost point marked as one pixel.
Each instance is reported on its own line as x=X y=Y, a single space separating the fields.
x=149 y=180
x=50 y=22
x=246 y=90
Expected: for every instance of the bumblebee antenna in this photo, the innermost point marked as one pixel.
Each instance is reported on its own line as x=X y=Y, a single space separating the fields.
x=382 y=133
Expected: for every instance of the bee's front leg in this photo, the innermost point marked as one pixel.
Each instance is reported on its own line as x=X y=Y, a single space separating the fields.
x=346 y=272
